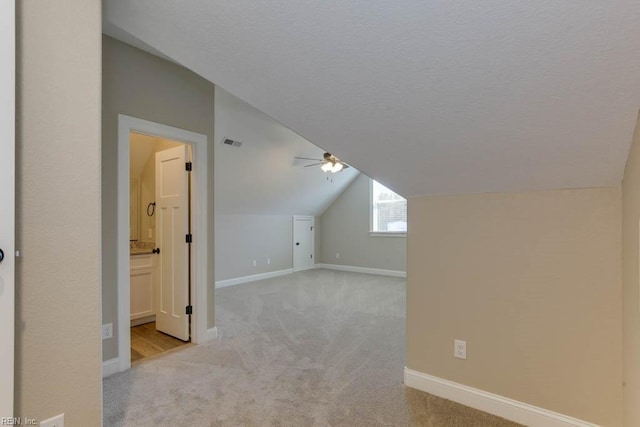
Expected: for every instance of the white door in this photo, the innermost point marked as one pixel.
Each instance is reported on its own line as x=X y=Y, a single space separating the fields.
x=303 y=243
x=172 y=227
x=7 y=202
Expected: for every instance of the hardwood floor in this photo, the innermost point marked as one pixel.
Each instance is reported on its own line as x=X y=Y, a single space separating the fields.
x=147 y=342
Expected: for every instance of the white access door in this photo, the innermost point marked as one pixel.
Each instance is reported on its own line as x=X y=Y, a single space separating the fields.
x=172 y=226
x=303 y=243
x=7 y=203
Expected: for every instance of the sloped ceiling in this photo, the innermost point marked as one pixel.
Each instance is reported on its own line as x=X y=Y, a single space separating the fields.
x=261 y=176
x=140 y=149
x=428 y=97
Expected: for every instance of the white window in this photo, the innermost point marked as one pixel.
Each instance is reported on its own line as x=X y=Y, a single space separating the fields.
x=388 y=211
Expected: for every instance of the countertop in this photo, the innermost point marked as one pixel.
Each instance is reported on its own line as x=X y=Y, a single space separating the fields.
x=141 y=248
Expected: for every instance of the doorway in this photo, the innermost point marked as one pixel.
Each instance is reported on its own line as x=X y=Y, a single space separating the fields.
x=193 y=310
x=159 y=221
x=303 y=242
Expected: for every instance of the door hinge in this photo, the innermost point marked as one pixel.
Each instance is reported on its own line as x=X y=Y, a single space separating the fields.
x=189 y=166
x=189 y=238
x=189 y=309
x=311 y=256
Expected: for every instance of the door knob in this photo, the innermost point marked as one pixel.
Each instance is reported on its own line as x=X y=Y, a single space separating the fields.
x=297 y=243
x=1 y=255
x=156 y=251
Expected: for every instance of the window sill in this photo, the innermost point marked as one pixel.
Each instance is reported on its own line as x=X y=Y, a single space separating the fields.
x=386 y=234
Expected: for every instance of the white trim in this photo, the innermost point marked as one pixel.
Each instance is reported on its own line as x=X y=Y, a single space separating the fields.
x=504 y=407
x=313 y=240
x=371 y=206
x=366 y=270
x=252 y=278
x=142 y=320
x=198 y=142
x=278 y=273
x=386 y=234
x=110 y=367
x=211 y=334
x=8 y=208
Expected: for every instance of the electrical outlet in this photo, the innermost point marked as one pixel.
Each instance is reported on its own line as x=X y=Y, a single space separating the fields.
x=460 y=349
x=255 y=263
x=107 y=331
x=57 y=421
x=268 y=261
x=337 y=255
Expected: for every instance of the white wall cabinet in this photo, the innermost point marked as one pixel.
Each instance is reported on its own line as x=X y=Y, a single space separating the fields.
x=142 y=286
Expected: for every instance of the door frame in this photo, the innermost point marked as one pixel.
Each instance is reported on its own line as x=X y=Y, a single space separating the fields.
x=313 y=240
x=7 y=211
x=199 y=267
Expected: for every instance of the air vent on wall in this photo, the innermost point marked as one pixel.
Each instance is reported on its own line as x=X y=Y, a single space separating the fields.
x=231 y=142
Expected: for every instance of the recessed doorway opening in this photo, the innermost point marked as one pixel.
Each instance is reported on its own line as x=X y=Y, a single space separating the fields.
x=162 y=248
x=159 y=242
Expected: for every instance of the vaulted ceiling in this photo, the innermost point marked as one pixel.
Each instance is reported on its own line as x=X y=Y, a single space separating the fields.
x=428 y=97
x=262 y=177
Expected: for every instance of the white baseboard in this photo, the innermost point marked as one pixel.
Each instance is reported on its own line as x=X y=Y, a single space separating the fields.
x=367 y=270
x=110 y=367
x=271 y=274
x=504 y=407
x=252 y=278
x=211 y=334
x=142 y=320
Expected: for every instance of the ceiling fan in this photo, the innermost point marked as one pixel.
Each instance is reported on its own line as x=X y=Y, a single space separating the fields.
x=330 y=163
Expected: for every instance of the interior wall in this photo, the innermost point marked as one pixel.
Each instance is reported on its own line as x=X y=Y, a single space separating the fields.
x=58 y=366
x=241 y=239
x=631 y=282
x=532 y=282
x=147 y=180
x=344 y=229
x=260 y=186
x=141 y=85
x=148 y=195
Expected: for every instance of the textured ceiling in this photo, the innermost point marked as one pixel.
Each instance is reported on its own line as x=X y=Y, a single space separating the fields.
x=262 y=177
x=428 y=97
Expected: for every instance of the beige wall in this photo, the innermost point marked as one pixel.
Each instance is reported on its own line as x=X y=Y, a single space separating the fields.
x=58 y=211
x=147 y=179
x=147 y=195
x=344 y=229
x=631 y=283
x=532 y=282
x=141 y=85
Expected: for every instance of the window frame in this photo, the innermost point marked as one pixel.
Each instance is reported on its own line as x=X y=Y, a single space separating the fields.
x=380 y=233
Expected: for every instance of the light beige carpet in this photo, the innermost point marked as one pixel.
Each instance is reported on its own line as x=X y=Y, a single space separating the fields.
x=317 y=348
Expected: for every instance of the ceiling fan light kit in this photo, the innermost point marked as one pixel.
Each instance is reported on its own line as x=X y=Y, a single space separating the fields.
x=330 y=163
x=337 y=167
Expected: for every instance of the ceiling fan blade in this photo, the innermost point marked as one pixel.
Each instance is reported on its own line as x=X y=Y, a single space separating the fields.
x=314 y=164
x=307 y=158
